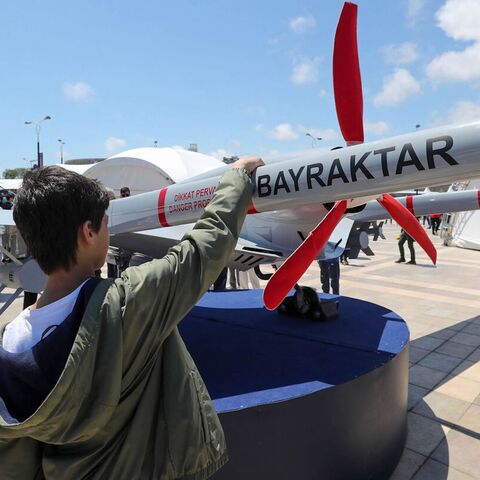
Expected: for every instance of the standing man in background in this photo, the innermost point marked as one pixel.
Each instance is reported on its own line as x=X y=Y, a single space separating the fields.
x=435 y=219
x=330 y=275
x=405 y=237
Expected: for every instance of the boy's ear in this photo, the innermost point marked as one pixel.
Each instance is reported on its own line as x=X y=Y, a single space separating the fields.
x=86 y=232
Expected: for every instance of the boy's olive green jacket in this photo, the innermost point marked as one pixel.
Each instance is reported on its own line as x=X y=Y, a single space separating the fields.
x=130 y=403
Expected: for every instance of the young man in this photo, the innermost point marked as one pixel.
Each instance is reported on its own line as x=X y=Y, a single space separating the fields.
x=95 y=381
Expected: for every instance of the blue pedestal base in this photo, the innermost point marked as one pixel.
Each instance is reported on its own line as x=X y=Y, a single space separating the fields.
x=300 y=399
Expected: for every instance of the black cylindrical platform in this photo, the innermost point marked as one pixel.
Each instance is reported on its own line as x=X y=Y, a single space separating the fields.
x=300 y=399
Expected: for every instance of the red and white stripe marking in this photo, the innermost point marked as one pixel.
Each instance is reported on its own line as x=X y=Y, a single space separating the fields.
x=161 y=208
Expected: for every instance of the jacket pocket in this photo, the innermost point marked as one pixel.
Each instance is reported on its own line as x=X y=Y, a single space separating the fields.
x=204 y=404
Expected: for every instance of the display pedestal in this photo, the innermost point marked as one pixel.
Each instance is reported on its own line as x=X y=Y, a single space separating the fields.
x=300 y=399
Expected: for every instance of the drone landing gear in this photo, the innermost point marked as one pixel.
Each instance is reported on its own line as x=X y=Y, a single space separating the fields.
x=305 y=303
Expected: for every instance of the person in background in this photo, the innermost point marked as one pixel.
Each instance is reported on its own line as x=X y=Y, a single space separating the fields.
x=7 y=204
x=110 y=193
x=426 y=218
x=330 y=275
x=405 y=237
x=435 y=219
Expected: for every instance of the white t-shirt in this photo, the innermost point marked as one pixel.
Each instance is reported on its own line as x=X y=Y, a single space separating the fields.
x=28 y=328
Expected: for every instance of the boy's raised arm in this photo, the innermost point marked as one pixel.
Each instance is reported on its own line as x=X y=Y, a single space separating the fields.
x=159 y=294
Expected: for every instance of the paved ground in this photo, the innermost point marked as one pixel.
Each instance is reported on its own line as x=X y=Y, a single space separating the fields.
x=442 y=308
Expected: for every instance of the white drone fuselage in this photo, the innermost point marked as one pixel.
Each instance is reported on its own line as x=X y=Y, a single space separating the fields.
x=291 y=196
x=305 y=185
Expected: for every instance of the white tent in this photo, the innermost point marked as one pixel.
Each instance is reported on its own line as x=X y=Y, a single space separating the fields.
x=81 y=169
x=466 y=227
x=15 y=183
x=147 y=169
x=10 y=183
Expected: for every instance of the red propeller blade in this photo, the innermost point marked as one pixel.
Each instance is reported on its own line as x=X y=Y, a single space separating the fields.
x=347 y=81
x=409 y=223
x=289 y=273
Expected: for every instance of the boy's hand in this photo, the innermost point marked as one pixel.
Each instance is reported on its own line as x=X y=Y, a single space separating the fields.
x=248 y=163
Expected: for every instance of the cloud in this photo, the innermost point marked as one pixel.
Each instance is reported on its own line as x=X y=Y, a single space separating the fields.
x=397 y=88
x=459 y=19
x=78 y=92
x=231 y=151
x=113 y=143
x=414 y=9
x=220 y=153
x=284 y=131
x=462 y=112
x=400 y=54
x=305 y=71
x=453 y=66
x=376 y=128
x=302 y=23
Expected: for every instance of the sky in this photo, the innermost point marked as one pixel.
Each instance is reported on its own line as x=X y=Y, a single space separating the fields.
x=244 y=77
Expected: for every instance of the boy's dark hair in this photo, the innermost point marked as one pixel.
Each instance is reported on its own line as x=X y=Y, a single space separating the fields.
x=49 y=208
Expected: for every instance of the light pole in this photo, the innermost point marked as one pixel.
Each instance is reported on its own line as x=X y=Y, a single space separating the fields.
x=62 y=143
x=37 y=129
x=417 y=126
x=314 y=139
